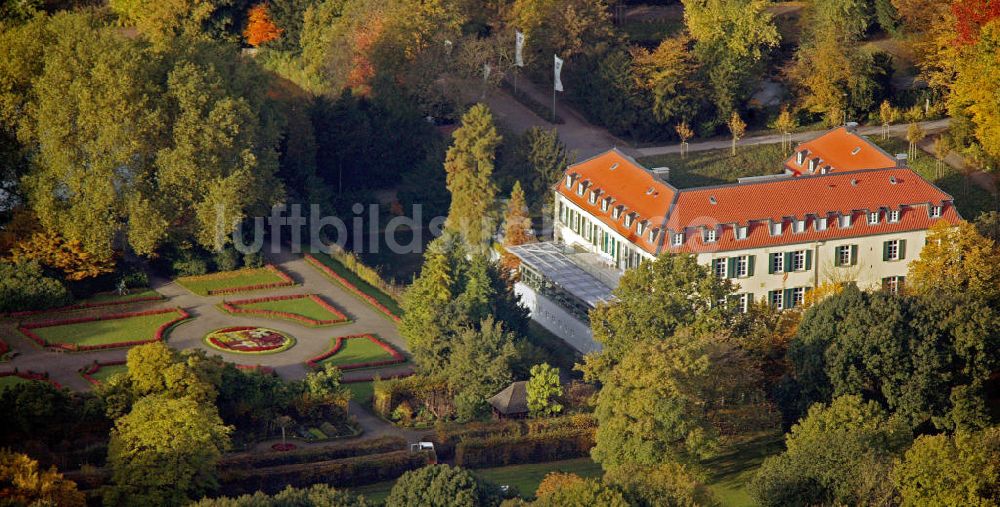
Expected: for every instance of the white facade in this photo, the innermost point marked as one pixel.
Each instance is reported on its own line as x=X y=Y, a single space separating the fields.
x=594 y=236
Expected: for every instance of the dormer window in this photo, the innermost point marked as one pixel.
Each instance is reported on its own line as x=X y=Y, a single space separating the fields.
x=628 y=219
x=581 y=188
x=936 y=211
x=800 y=157
x=652 y=234
x=710 y=235
x=799 y=226
x=776 y=228
x=845 y=221
x=641 y=228
x=617 y=212
x=873 y=218
x=813 y=164
x=894 y=216
x=593 y=196
x=605 y=204
x=821 y=224
x=678 y=239
x=741 y=231
x=569 y=181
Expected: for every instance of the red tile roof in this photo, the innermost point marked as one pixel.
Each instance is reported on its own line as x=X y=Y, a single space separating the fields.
x=753 y=204
x=620 y=177
x=840 y=150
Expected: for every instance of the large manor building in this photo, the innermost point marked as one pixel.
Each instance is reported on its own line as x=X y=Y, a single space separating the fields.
x=842 y=210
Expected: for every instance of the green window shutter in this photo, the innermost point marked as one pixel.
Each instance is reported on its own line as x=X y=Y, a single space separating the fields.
x=750 y=295
x=787 y=299
x=731 y=267
x=770 y=296
x=750 y=263
x=770 y=263
x=788 y=261
x=902 y=249
x=854 y=255
x=809 y=259
x=885 y=250
x=836 y=257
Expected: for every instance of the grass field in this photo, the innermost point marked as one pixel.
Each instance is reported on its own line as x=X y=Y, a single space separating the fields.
x=106 y=372
x=111 y=297
x=357 y=350
x=730 y=472
x=102 y=332
x=202 y=284
x=524 y=477
x=364 y=286
x=714 y=167
x=11 y=381
x=362 y=392
x=304 y=306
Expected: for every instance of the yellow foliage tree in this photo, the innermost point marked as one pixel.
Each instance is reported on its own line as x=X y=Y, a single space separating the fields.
x=260 y=28
x=52 y=250
x=957 y=259
x=516 y=228
x=22 y=482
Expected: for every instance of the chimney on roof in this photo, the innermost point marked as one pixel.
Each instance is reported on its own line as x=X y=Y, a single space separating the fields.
x=852 y=126
x=662 y=172
x=901 y=159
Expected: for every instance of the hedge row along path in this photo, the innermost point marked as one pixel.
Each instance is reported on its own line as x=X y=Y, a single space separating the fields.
x=305 y=309
x=64 y=368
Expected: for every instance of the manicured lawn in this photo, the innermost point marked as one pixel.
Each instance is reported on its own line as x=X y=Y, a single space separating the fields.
x=730 y=473
x=11 y=381
x=364 y=286
x=714 y=167
x=362 y=392
x=102 y=332
x=106 y=372
x=303 y=306
x=203 y=284
x=524 y=477
x=111 y=297
x=357 y=350
x=970 y=199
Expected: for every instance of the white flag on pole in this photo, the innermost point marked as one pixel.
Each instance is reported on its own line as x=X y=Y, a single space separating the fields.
x=486 y=71
x=557 y=69
x=518 y=48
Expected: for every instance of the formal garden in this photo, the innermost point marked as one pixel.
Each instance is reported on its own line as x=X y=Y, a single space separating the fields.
x=358 y=352
x=306 y=309
x=231 y=282
x=107 y=331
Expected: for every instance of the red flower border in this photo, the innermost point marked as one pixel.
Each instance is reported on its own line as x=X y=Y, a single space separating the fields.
x=93 y=368
x=233 y=307
x=82 y=306
x=222 y=347
x=31 y=375
x=397 y=357
x=26 y=330
x=316 y=263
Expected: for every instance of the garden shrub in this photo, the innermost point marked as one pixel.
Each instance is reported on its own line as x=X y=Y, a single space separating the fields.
x=25 y=287
x=189 y=266
x=353 y=471
x=253 y=260
x=135 y=279
x=444 y=486
x=227 y=259
x=504 y=449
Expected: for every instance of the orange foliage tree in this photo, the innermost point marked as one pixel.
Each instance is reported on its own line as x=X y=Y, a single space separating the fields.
x=260 y=28
x=54 y=251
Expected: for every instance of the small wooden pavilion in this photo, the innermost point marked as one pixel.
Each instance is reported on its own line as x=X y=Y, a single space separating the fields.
x=512 y=402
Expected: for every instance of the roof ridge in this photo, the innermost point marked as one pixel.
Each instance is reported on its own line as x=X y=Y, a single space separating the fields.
x=803 y=177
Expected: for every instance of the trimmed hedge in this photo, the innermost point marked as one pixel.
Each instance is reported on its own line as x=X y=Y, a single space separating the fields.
x=354 y=471
x=83 y=306
x=505 y=449
x=92 y=368
x=310 y=454
x=234 y=308
x=316 y=263
x=390 y=393
x=72 y=347
x=339 y=343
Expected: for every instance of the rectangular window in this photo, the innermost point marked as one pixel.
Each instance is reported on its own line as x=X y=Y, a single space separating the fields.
x=893 y=252
x=742 y=266
x=776 y=229
x=893 y=284
x=719 y=267
x=744 y=302
x=580 y=189
x=821 y=224
x=742 y=231
x=569 y=181
x=628 y=220
x=616 y=212
x=710 y=235
x=678 y=239
x=593 y=197
x=844 y=255
x=798 y=297
x=641 y=228
x=777 y=299
x=893 y=216
x=799 y=260
x=845 y=221
x=605 y=203
x=936 y=211
x=777 y=263
x=652 y=235
x=873 y=218
x=800 y=226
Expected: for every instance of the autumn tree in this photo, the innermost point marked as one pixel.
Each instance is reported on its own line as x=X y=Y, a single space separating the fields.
x=161 y=21
x=956 y=259
x=977 y=80
x=516 y=227
x=914 y=134
x=677 y=399
x=442 y=486
x=668 y=485
x=568 y=28
x=668 y=74
x=738 y=128
x=24 y=482
x=560 y=489
x=25 y=286
x=69 y=257
x=959 y=469
x=469 y=165
x=544 y=388
x=684 y=133
x=887 y=114
x=260 y=28
x=786 y=123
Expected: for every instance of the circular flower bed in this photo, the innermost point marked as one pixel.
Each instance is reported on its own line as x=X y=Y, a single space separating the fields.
x=249 y=340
